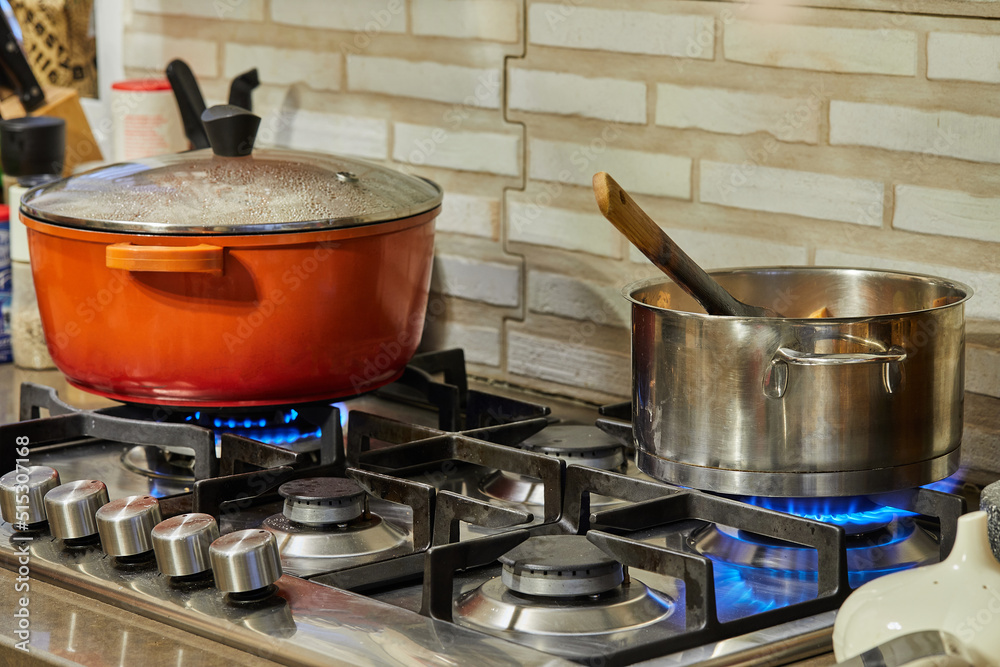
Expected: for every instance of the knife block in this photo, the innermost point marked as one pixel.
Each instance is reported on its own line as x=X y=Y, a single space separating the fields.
x=62 y=103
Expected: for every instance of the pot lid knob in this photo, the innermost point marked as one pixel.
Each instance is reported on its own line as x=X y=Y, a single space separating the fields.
x=245 y=562
x=71 y=508
x=125 y=524
x=231 y=130
x=181 y=544
x=21 y=494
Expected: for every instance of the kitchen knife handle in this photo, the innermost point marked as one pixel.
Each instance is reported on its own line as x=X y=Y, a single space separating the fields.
x=17 y=69
x=202 y=258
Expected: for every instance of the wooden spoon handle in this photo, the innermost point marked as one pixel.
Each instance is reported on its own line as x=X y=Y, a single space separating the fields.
x=620 y=209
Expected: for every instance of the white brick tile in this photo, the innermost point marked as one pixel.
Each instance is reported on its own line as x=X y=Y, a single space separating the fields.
x=454 y=84
x=558 y=294
x=468 y=151
x=946 y=133
x=327 y=132
x=574 y=365
x=529 y=222
x=317 y=69
x=984 y=305
x=371 y=16
x=480 y=344
x=963 y=56
x=492 y=20
x=570 y=94
x=712 y=250
x=947 y=212
x=569 y=26
x=231 y=10
x=637 y=171
x=477 y=280
x=825 y=49
x=148 y=51
x=469 y=214
x=736 y=112
x=808 y=194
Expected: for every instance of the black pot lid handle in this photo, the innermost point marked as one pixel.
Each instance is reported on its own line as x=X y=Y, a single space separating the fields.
x=231 y=130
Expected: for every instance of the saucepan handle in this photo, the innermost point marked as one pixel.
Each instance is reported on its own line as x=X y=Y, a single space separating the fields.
x=819 y=359
x=776 y=373
x=202 y=258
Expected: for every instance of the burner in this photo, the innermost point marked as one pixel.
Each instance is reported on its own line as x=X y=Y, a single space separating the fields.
x=560 y=585
x=755 y=573
x=275 y=427
x=576 y=444
x=326 y=518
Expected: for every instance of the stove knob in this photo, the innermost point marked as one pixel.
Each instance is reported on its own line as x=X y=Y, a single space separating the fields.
x=71 y=508
x=124 y=525
x=245 y=561
x=181 y=544
x=22 y=493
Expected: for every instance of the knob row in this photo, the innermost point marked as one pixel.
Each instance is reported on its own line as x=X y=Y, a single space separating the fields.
x=186 y=545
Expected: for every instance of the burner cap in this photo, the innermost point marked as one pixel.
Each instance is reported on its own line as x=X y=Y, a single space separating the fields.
x=315 y=501
x=578 y=443
x=560 y=566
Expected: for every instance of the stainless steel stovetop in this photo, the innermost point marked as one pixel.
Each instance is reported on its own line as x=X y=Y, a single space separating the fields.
x=423 y=573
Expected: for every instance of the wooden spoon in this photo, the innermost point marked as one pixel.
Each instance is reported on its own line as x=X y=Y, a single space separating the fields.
x=619 y=208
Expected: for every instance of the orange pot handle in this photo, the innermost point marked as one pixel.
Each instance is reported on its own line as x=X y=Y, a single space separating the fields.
x=171 y=259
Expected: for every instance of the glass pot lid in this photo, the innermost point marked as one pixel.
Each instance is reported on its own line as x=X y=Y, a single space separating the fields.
x=231 y=189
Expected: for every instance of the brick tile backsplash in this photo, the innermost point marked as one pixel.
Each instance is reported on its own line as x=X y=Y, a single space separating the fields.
x=827 y=49
x=963 y=57
x=495 y=20
x=637 y=171
x=529 y=222
x=575 y=27
x=373 y=16
x=317 y=69
x=453 y=84
x=947 y=212
x=571 y=94
x=807 y=194
x=490 y=152
x=946 y=133
x=235 y=10
x=829 y=134
x=738 y=112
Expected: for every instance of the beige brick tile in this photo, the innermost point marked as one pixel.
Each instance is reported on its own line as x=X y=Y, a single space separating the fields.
x=424 y=80
x=637 y=171
x=230 y=10
x=153 y=52
x=574 y=95
x=529 y=222
x=492 y=20
x=317 y=69
x=469 y=214
x=577 y=298
x=808 y=194
x=477 y=280
x=554 y=360
x=822 y=48
x=371 y=16
x=963 y=57
x=946 y=133
x=653 y=33
x=326 y=132
x=490 y=152
x=738 y=112
x=947 y=212
x=481 y=344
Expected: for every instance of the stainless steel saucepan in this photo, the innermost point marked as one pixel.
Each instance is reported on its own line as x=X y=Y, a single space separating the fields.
x=865 y=402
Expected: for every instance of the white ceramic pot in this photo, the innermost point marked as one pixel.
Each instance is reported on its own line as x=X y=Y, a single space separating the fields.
x=960 y=596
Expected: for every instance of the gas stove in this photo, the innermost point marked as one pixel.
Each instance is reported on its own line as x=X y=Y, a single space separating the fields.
x=434 y=522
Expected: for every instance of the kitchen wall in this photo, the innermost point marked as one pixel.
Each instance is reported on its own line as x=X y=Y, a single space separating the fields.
x=757 y=134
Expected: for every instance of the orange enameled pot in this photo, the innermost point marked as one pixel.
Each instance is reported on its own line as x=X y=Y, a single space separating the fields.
x=233 y=320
